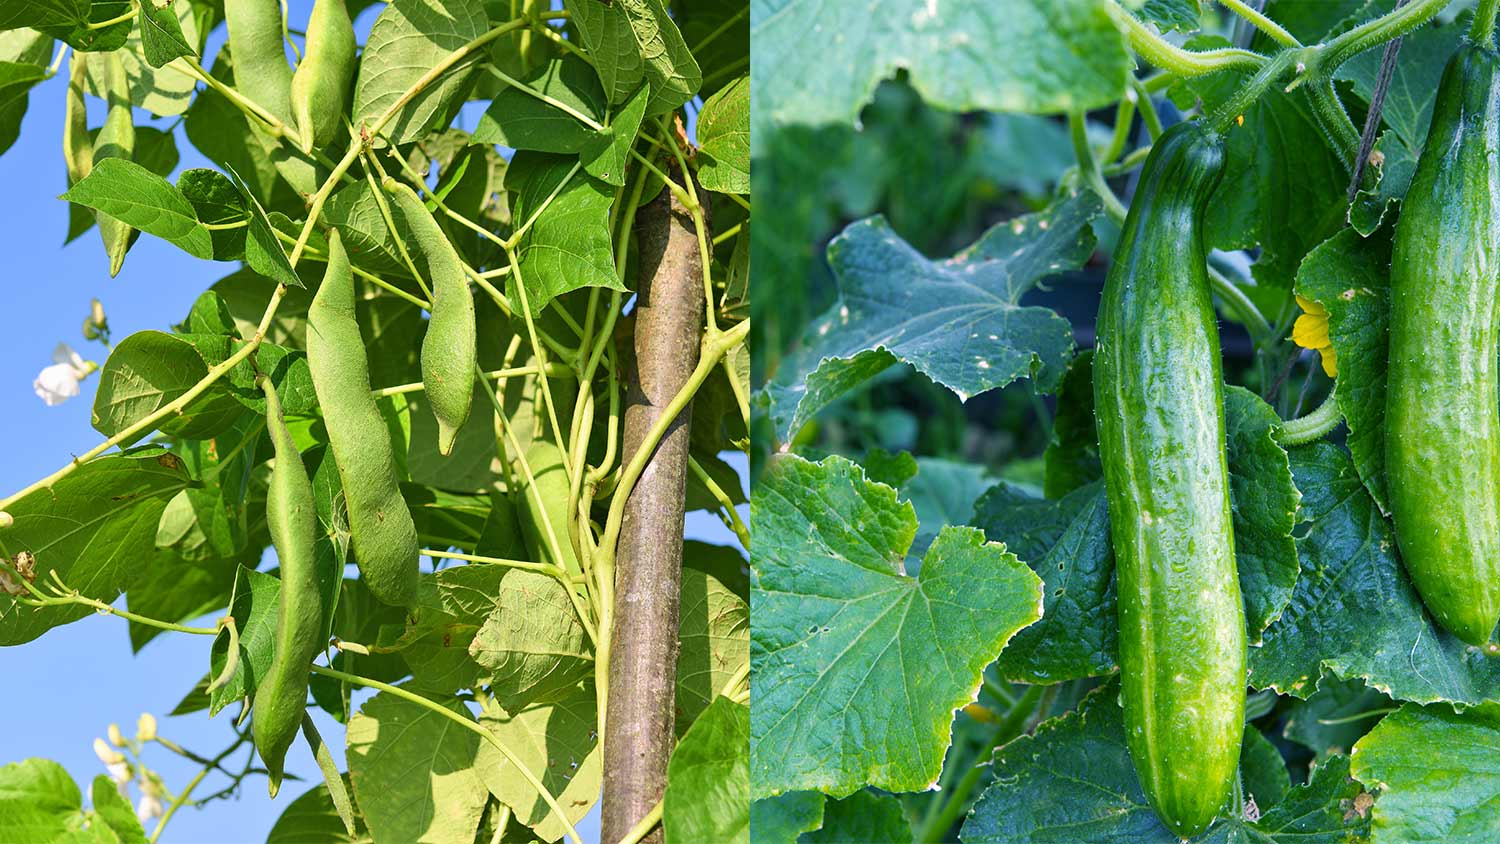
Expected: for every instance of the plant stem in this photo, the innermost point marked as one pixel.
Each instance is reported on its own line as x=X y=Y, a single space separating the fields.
x=1482 y=30
x=1305 y=429
x=644 y=828
x=641 y=662
x=1271 y=28
x=1394 y=24
x=1239 y=305
x=1089 y=166
x=933 y=830
x=1162 y=53
x=1245 y=96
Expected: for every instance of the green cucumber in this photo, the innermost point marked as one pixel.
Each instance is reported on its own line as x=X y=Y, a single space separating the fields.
x=1158 y=392
x=1442 y=419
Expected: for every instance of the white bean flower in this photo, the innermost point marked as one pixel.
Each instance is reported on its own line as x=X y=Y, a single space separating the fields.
x=150 y=807
x=59 y=382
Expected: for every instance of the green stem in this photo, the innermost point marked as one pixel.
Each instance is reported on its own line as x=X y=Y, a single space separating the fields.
x=1305 y=429
x=1271 y=28
x=1335 y=122
x=1378 y=31
x=467 y=724
x=1147 y=107
x=1245 y=96
x=644 y=826
x=1089 y=166
x=1482 y=30
x=957 y=801
x=1160 y=52
x=1239 y=305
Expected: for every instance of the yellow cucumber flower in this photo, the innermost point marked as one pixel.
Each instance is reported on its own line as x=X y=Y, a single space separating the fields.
x=1310 y=331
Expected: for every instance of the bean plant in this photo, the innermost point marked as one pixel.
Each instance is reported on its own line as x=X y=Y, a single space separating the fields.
x=421 y=458
x=1073 y=475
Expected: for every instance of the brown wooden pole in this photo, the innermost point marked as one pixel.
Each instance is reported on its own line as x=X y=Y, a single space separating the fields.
x=639 y=737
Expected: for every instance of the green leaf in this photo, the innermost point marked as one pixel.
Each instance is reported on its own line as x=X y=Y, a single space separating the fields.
x=713 y=628
x=16 y=81
x=1394 y=163
x=162 y=90
x=1413 y=88
x=1335 y=717
x=958 y=321
x=606 y=155
x=635 y=40
x=559 y=744
x=532 y=644
x=176 y=590
x=1354 y=613
x=724 y=139
x=263 y=251
x=568 y=246
x=95 y=527
x=216 y=201
x=1080 y=766
x=451 y=606
x=864 y=816
x=1171 y=14
x=783 y=818
x=40 y=803
x=1350 y=277
x=518 y=119
x=719 y=32
x=857 y=667
x=161 y=34
x=143 y=200
x=43 y=13
x=708 y=779
x=1435 y=771
x=409 y=39
x=1059 y=56
x=942 y=493
x=114 y=809
x=1263 y=772
x=1067 y=544
x=414 y=772
x=254 y=609
x=151 y=369
x=1072 y=456
x=82 y=27
x=312 y=819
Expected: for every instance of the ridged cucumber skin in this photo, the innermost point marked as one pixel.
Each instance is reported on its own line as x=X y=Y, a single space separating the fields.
x=1158 y=391
x=1442 y=422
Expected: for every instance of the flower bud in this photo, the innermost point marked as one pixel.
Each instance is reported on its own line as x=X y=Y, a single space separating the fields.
x=145 y=728
x=108 y=755
x=114 y=736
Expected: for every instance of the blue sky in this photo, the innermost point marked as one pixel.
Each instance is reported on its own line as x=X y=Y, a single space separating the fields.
x=66 y=687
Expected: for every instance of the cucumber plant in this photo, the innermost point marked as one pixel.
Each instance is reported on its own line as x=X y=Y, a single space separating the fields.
x=409 y=463
x=1123 y=472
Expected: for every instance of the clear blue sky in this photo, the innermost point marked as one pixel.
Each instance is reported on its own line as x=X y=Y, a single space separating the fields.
x=65 y=688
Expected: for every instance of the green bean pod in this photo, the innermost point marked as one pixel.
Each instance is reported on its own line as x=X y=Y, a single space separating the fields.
x=116 y=139
x=380 y=523
x=281 y=696
x=261 y=73
x=320 y=87
x=449 y=350
x=1158 y=397
x=78 y=151
x=1442 y=419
